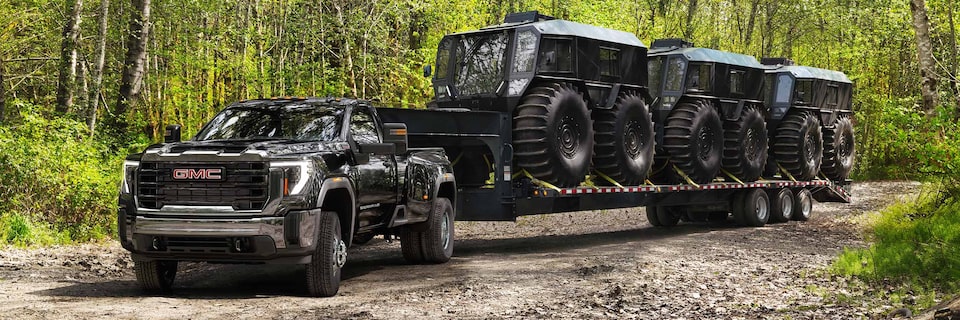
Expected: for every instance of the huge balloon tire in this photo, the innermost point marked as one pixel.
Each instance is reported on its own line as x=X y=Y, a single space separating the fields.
x=745 y=144
x=623 y=141
x=693 y=137
x=799 y=145
x=552 y=135
x=838 y=150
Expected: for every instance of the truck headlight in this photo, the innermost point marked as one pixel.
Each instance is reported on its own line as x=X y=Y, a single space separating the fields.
x=129 y=176
x=295 y=175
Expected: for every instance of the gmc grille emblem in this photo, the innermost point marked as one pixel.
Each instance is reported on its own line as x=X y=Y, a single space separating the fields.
x=198 y=174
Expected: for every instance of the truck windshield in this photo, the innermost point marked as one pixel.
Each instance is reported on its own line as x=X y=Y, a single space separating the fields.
x=479 y=67
x=299 y=122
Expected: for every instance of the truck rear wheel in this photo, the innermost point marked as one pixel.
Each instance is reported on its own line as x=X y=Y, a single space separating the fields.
x=803 y=205
x=438 y=239
x=623 y=140
x=693 y=137
x=754 y=208
x=323 y=272
x=155 y=276
x=781 y=205
x=838 y=150
x=799 y=145
x=552 y=135
x=745 y=144
x=435 y=243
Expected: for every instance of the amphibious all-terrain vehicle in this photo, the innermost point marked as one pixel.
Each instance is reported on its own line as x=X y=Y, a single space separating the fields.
x=709 y=112
x=553 y=77
x=810 y=121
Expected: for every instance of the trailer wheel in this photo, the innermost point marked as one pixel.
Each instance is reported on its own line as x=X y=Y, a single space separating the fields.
x=437 y=240
x=799 y=145
x=803 y=206
x=669 y=216
x=753 y=209
x=155 y=276
x=838 y=150
x=781 y=205
x=652 y=216
x=623 y=140
x=323 y=272
x=745 y=144
x=693 y=137
x=552 y=135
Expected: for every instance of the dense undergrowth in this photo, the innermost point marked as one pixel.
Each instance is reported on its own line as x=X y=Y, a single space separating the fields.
x=915 y=244
x=59 y=184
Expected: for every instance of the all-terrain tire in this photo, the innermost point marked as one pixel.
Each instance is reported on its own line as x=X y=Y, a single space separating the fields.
x=623 y=140
x=437 y=244
x=155 y=276
x=693 y=137
x=745 y=144
x=411 y=245
x=552 y=134
x=781 y=205
x=799 y=145
x=323 y=272
x=838 y=150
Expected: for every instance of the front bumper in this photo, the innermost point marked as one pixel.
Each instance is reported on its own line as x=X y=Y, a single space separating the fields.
x=287 y=239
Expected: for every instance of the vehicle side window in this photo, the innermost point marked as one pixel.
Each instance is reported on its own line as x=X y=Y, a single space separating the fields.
x=363 y=128
x=655 y=69
x=556 y=55
x=699 y=77
x=784 y=88
x=736 y=81
x=609 y=62
x=833 y=96
x=676 y=67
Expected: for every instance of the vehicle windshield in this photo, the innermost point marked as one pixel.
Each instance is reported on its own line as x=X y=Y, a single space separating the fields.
x=479 y=67
x=294 y=122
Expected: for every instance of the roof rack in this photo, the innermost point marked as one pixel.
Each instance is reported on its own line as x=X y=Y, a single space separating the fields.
x=776 y=61
x=529 y=16
x=672 y=43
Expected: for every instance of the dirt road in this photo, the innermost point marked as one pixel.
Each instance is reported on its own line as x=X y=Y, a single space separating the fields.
x=601 y=264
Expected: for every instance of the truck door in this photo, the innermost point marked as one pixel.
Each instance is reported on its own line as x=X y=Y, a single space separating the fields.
x=377 y=179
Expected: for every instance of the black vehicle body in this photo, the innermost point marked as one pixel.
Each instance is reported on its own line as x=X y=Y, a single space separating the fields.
x=491 y=68
x=681 y=71
x=827 y=93
x=252 y=192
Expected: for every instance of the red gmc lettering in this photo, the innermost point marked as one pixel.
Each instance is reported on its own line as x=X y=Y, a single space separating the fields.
x=197 y=174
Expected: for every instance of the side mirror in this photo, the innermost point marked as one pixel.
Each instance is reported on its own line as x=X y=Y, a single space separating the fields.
x=171 y=133
x=427 y=71
x=396 y=134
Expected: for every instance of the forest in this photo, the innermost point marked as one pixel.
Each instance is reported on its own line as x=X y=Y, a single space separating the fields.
x=82 y=83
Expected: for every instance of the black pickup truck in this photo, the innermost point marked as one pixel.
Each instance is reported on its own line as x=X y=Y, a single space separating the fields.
x=292 y=181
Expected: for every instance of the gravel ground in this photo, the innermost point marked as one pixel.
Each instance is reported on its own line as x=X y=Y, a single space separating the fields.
x=597 y=264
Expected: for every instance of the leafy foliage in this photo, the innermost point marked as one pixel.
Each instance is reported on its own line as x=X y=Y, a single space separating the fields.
x=56 y=177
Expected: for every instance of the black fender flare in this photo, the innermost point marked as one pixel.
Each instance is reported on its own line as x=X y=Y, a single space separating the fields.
x=338 y=183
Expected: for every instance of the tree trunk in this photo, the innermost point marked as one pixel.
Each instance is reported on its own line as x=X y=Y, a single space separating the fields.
x=750 y=24
x=133 y=64
x=68 y=59
x=691 y=11
x=3 y=93
x=94 y=98
x=954 y=65
x=928 y=78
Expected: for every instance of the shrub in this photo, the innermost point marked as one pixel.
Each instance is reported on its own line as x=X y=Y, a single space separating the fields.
x=56 y=176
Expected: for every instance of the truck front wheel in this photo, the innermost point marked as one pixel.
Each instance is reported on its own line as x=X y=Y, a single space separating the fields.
x=323 y=272
x=155 y=276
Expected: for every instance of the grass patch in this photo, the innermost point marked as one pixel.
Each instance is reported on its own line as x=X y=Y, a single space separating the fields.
x=19 y=230
x=915 y=249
